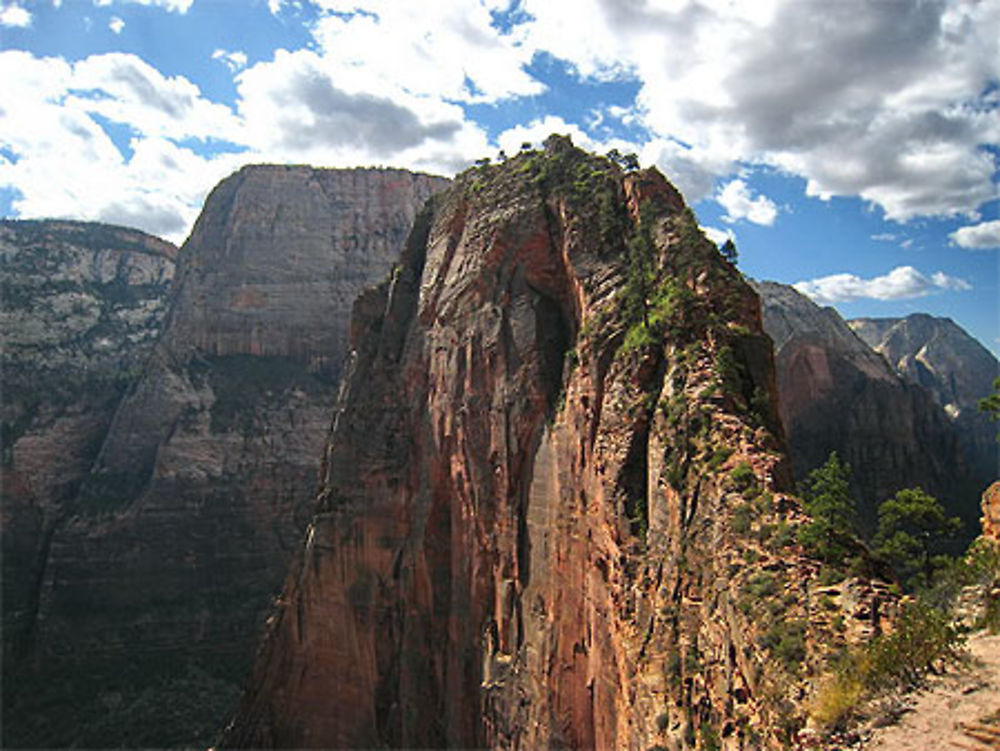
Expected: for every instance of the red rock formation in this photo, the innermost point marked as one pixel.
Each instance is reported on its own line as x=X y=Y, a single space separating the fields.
x=525 y=536
x=991 y=512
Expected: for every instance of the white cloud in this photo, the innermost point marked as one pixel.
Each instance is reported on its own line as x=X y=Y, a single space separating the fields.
x=901 y=283
x=295 y=109
x=14 y=16
x=978 y=236
x=435 y=49
x=738 y=201
x=233 y=60
x=116 y=24
x=884 y=237
x=717 y=235
x=66 y=165
x=878 y=100
x=174 y=6
x=126 y=89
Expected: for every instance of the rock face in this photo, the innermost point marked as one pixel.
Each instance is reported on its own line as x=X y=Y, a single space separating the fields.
x=958 y=371
x=991 y=512
x=181 y=532
x=82 y=305
x=837 y=394
x=553 y=454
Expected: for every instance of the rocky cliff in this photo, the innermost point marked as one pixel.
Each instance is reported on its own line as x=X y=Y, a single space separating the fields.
x=837 y=394
x=957 y=370
x=991 y=512
x=552 y=510
x=82 y=304
x=181 y=530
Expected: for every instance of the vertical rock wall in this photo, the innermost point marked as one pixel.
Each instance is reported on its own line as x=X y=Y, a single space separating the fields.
x=552 y=512
x=181 y=532
x=82 y=305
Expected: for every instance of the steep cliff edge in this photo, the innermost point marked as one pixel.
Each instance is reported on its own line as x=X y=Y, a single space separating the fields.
x=552 y=511
x=82 y=304
x=837 y=394
x=182 y=529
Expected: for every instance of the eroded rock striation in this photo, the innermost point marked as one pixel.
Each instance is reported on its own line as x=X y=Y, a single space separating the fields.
x=939 y=355
x=553 y=459
x=837 y=394
x=82 y=305
x=155 y=586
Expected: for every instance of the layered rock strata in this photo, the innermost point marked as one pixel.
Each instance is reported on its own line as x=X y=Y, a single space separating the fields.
x=551 y=513
x=957 y=370
x=837 y=394
x=182 y=529
x=82 y=304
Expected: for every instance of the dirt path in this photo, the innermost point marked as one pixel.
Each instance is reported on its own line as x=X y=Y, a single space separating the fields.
x=935 y=722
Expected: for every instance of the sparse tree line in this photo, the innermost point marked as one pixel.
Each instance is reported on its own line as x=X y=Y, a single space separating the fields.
x=911 y=537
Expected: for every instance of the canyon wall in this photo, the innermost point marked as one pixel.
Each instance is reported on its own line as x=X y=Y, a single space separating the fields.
x=553 y=509
x=180 y=532
x=837 y=394
x=83 y=304
x=957 y=370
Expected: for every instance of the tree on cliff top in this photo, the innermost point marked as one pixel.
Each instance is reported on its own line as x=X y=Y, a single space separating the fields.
x=832 y=533
x=729 y=251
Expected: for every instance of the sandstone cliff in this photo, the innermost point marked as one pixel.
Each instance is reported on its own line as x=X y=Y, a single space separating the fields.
x=837 y=394
x=552 y=511
x=990 y=521
x=181 y=531
x=957 y=370
x=82 y=304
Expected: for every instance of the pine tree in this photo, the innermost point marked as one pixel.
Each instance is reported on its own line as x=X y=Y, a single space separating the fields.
x=831 y=535
x=729 y=251
x=912 y=527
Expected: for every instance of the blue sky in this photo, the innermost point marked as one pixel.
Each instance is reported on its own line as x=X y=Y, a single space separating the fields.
x=849 y=147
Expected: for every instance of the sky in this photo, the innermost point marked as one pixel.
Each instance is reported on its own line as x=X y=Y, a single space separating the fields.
x=849 y=147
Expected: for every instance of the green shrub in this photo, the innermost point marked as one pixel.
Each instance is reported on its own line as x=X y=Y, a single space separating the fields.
x=786 y=639
x=784 y=535
x=743 y=477
x=719 y=457
x=742 y=518
x=760 y=585
x=924 y=641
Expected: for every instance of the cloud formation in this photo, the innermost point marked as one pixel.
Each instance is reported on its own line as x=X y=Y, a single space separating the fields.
x=978 y=236
x=880 y=100
x=901 y=283
x=738 y=201
x=14 y=16
x=233 y=60
x=891 y=102
x=175 y=6
x=717 y=235
x=64 y=162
